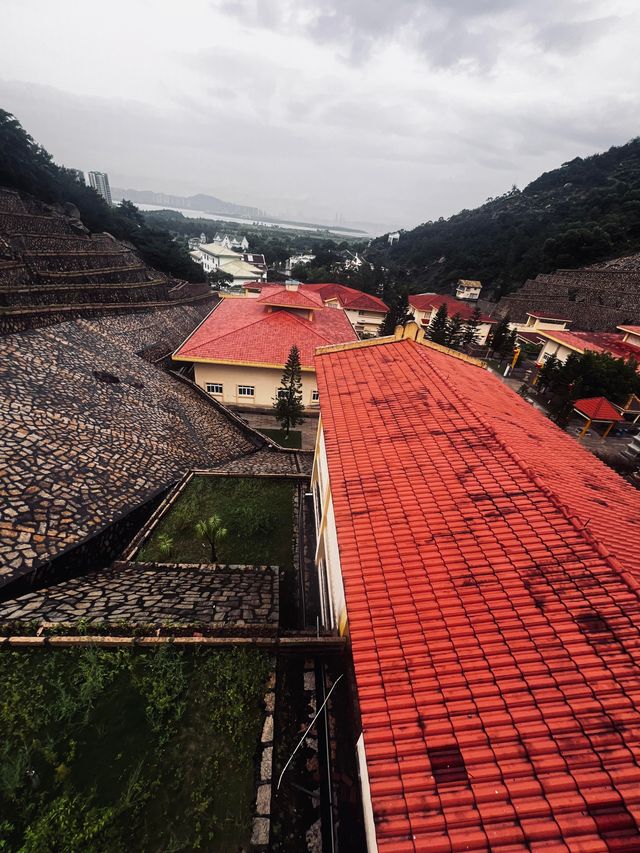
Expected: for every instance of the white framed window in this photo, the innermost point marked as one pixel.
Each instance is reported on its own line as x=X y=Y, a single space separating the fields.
x=281 y=393
x=214 y=388
x=246 y=391
x=315 y=396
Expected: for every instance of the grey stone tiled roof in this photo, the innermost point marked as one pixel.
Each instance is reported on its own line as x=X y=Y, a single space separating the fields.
x=226 y=597
x=90 y=430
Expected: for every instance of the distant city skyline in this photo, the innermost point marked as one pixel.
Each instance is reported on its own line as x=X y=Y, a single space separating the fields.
x=351 y=111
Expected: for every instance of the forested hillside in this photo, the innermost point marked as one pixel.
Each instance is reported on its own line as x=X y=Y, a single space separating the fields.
x=586 y=211
x=27 y=166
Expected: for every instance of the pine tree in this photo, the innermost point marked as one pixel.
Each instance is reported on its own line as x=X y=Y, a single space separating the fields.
x=288 y=401
x=397 y=315
x=471 y=330
x=453 y=331
x=438 y=328
x=499 y=337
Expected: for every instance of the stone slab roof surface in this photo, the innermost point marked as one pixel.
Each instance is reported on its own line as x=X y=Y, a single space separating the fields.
x=598 y=409
x=243 y=330
x=427 y=301
x=150 y=594
x=348 y=297
x=490 y=567
x=90 y=431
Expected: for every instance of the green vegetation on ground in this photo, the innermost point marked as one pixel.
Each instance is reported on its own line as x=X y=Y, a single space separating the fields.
x=27 y=166
x=112 y=750
x=293 y=440
x=586 y=211
x=587 y=375
x=257 y=514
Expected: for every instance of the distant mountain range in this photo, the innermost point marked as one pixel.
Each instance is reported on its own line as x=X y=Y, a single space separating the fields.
x=201 y=202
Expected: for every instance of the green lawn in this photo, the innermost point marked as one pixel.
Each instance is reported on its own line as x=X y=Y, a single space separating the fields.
x=293 y=440
x=256 y=512
x=111 y=750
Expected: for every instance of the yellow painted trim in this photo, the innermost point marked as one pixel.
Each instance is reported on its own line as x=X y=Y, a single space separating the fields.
x=201 y=360
x=343 y=625
x=409 y=332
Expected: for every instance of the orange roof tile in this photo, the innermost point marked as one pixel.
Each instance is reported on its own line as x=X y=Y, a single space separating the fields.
x=282 y=296
x=244 y=330
x=348 y=297
x=494 y=616
x=597 y=409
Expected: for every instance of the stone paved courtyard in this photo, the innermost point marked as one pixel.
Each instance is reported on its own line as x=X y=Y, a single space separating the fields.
x=230 y=598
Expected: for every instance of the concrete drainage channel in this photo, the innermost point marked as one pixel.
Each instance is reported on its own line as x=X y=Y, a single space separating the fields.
x=317 y=806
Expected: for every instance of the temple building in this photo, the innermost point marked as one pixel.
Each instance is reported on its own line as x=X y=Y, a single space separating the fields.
x=486 y=569
x=239 y=351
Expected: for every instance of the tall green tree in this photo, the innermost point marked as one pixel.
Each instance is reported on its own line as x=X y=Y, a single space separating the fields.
x=453 y=331
x=398 y=313
x=499 y=340
x=288 y=401
x=470 y=332
x=439 y=327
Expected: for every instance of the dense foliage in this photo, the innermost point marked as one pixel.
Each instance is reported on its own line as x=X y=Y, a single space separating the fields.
x=588 y=375
x=586 y=211
x=110 y=750
x=27 y=166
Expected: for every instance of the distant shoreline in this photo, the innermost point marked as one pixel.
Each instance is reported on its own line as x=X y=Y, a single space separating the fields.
x=273 y=222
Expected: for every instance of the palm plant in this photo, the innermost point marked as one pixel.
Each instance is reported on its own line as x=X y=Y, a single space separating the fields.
x=212 y=531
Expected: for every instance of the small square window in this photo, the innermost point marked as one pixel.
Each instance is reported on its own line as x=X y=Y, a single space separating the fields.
x=214 y=388
x=246 y=390
x=315 y=396
x=281 y=394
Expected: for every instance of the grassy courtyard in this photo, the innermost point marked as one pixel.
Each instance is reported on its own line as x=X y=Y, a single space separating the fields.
x=109 y=750
x=256 y=513
x=293 y=440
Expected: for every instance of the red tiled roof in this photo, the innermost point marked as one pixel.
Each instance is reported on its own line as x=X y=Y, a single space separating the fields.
x=245 y=330
x=610 y=342
x=635 y=330
x=427 y=301
x=494 y=626
x=597 y=409
x=348 y=297
x=547 y=317
x=279 y=295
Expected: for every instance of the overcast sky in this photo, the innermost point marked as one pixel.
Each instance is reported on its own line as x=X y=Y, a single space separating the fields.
x=388 y=111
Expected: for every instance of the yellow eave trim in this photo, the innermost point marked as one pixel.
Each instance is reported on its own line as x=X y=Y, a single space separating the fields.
x=200 y=360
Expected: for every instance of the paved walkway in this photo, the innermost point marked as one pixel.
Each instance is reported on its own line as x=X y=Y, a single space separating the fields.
x=308 y=428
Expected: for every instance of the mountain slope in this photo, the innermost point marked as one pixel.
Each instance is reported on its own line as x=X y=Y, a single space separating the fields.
x=201 y=202
x=586 y=211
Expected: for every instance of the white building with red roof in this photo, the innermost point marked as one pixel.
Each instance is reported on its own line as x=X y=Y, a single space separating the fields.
x=486 y=569
x=239 y=351
x=424 y=307
x=365 y=311
x=562 y=342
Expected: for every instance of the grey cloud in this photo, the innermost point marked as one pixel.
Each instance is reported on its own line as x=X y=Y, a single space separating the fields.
x=446 y=33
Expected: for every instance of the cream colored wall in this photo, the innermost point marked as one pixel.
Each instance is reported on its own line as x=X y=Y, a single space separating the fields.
x=553 y=348
x=370 y=321
x=334 y=612
x=265 y=380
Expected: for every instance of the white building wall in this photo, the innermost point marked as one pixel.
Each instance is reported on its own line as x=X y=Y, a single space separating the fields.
x=367 y=808
x=561 y=352
x=334 y=609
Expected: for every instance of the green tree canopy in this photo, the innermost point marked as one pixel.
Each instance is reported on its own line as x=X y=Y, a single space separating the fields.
x=438 y=330
x=288 y=401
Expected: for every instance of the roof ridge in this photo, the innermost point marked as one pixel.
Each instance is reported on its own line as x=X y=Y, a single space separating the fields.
x=574 y=520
